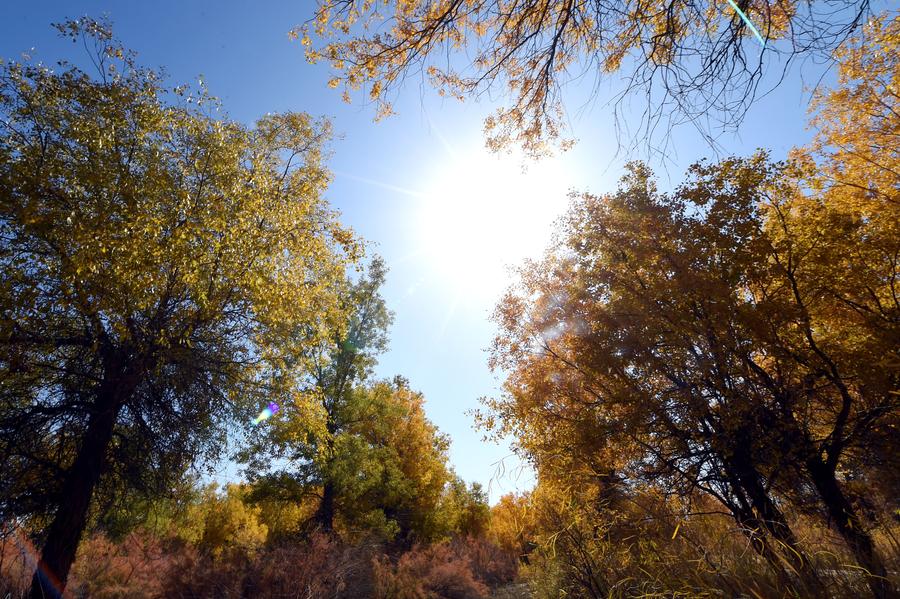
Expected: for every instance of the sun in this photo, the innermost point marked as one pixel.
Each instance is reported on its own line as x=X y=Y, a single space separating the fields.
x=483 y=213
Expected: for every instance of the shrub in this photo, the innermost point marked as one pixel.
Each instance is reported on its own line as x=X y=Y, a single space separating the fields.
x=320 y=567
x=196 y=575
x=489 y=563
x=432 y=572
x=16 y=565
x=107 y=570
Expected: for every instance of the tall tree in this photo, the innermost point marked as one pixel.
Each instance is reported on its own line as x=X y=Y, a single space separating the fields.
x=345 y=358
x=841 y=247
x=392 y=467
x=625 y=356
x=690 y=339
x=158 y=266
x=369 y=454
x=381 y=470
x=695 y=61
x=857 y=124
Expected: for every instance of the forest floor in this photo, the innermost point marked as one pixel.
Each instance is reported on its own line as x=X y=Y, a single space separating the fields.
x=518 y=590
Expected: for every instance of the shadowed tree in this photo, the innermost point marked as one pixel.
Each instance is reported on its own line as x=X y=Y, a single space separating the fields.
x=693 y=340
x=739 y=335
x=622 y=358
x=157 y=265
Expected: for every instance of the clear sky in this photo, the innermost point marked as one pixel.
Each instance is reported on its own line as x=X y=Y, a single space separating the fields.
x=446 y=215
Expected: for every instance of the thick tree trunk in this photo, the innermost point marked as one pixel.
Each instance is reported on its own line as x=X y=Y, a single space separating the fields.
x=64 y=534
x=847 y=523
x=761 y=543
x=840 y=511
x=325 y=513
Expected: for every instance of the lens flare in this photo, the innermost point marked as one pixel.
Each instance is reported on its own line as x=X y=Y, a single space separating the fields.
x=267 y=412
x=31 y=557
x=747 y=21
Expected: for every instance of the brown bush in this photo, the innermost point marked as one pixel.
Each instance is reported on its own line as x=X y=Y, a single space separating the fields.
x=196 y=575
x=142 y=566
x=320 y=567
x=489 y=563
x=16 y=565
x=131 y=568
x=432 y=572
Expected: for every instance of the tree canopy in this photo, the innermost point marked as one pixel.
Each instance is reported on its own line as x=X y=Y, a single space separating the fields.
x=159 y=267
x=694 y=62
x=361 y=449
x=737 y=336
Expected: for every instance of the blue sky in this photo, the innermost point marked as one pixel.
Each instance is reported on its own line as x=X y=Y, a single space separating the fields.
x=419 y=185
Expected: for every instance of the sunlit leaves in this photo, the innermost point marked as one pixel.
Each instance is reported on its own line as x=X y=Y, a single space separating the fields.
x=698 y=54
x=138 y=228
x=687 y=339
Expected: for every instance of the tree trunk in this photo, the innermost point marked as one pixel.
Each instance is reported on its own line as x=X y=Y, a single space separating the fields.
x=325 y=513
x=768 y=517
x=842 y=514
x=755 y=532
x=64 y=534
x=840 y=511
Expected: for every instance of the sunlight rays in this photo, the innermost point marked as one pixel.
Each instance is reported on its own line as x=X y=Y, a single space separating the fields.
x=477 y=216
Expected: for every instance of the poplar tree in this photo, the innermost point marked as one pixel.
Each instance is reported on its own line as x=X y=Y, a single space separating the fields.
x=158 y=264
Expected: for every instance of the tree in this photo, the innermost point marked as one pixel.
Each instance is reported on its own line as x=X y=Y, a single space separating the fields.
x=848 y=235
x=394 y=465
x=348 y=358
x=229 y=522
x=158 y=267
x=465 y=509
x=737 y=336
x=364 y=450
x=304 y=433
x=616 y=364
x=693 y=60
x=857 y=125
x=512 y=526
x=384 y=471
x=121 y=508
x=692 y=339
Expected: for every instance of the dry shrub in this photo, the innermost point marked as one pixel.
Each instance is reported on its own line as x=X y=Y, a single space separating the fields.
x=489 y=563
x=432 y=572
x=142 y=566
x=131 y=568
x=196 y=575
x=321 y=567
x=16 y=566
x=653 y=552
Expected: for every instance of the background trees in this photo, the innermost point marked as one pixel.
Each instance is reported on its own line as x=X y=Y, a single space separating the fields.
x=361 y=449
x=158 y=268
x=304 y=439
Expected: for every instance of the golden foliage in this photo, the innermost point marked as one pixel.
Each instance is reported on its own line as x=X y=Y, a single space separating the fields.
x=531 y=50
